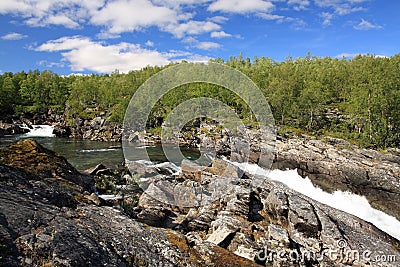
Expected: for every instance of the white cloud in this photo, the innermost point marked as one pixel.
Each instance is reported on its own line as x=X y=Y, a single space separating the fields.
x=341 y=7
x=352 y=55
x=130 y=15
x=85 y=54
x=13 y=36
x=50 y=64
x=175 y=3
x=198 y=58
x=134 y=15
x=64 y=43
x=149 y=43
x=327 y=17
x=16 y=7
x=299 y=4
x=192 y=28
x=219 y=19
x=207 y=45
x=240 y=6
x=46 y=12
x=120 y=16
x=220 y=34
x=193 y=42
x=266 y=16
x=190 y=40
x=107 y=35
x=366 y=25
x=348 y=55
x=61 y=19
x=295 y=23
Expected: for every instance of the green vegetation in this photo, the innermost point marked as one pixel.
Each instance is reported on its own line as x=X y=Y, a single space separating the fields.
x=356 y=99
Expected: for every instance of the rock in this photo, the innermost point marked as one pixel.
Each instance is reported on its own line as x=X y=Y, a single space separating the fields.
x=62 y=131
x=223 y=168
x=98 y=170
x=43 y=163
x=167 y=168
x=144 y=169
x=278 y=234
x=221 y=234
x=12 y=128
x=94 y=199
x=191 y=170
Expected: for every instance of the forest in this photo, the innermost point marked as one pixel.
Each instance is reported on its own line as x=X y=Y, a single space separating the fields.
x=356 y=99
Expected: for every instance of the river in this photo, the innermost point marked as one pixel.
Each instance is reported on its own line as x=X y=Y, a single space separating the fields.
x=84 y=154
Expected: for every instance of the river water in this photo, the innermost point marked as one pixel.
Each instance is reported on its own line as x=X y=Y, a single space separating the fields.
x=85 y=154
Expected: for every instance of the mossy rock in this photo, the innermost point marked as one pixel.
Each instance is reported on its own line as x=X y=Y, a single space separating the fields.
x=41 y=163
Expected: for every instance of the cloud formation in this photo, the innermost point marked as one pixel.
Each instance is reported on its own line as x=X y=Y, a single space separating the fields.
x=365 y=25
x=131 y=15
x=240 y=6
x=299 y=4
x=13 y=36
x=84 y=54
x=193 y=42
x=192 y=28
x=327 y=17
x=220 y=34
x=176 y=17
x=198 y=24
x=341 y=7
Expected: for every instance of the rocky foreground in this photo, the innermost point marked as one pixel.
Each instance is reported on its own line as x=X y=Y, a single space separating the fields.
x=49 y=217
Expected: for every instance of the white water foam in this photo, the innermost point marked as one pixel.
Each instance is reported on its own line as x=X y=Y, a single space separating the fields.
x=345 y=201
x=97 y=150
x=40 y=131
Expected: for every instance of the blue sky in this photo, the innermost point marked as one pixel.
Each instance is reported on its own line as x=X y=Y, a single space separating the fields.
x=100 y=36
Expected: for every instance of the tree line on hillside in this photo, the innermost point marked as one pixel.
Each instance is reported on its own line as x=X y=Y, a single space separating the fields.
x=357 y=99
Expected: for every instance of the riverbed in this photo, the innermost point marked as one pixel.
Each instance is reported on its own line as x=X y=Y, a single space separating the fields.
x=84 y=154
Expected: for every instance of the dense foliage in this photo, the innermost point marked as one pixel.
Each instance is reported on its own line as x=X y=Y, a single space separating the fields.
x=357 y=99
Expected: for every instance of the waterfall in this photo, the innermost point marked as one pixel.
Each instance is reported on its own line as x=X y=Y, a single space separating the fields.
x=39 y=131
x=345 y=201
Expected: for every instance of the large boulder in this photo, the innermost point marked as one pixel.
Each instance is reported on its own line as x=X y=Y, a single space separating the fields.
x=43 y=163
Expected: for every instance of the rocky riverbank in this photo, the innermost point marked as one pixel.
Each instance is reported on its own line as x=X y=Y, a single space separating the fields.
x=99 y=128
x=49 y=217
x=330 y=163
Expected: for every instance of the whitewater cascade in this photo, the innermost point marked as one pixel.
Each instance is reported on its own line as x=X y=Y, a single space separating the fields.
x=39 y=131
x=345 y=201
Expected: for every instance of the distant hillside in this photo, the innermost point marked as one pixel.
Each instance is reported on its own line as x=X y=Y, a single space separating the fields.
x=355 y=99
